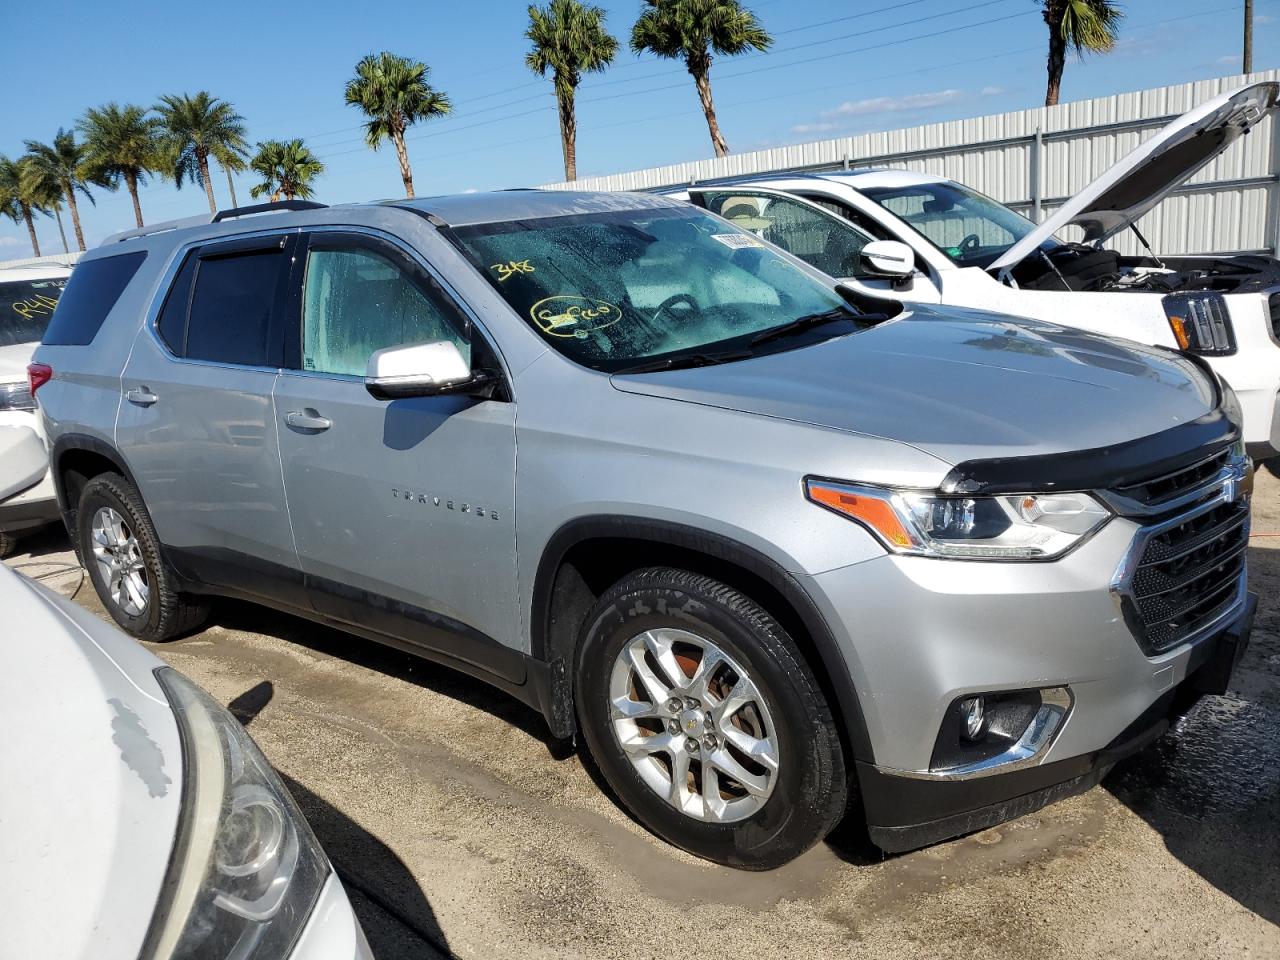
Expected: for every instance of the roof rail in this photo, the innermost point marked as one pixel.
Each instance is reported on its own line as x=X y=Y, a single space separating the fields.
x=266 y=208
x=161 y=227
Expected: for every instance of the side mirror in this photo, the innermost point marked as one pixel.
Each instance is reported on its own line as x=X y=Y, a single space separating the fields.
x=418 y=370
x=890 y=258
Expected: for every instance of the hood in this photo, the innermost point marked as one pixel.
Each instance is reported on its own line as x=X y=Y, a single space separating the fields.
x=92 y=774
x=1159 y=165
x=959 y=385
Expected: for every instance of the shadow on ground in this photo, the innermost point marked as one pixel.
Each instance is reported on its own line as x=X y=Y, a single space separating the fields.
x=1211 y=787
x=251 y=618
x=388 y=900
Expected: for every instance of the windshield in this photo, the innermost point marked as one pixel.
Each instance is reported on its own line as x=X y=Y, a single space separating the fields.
x=972 y=230
x=25 y=308
x=617 y=290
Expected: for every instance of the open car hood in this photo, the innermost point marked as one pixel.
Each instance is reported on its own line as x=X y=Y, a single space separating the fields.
x=1154 y=169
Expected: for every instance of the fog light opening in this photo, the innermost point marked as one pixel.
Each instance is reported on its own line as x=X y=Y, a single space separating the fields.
x=973 y=711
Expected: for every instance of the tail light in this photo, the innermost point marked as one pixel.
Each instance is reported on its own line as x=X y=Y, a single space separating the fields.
x=1200 y=323
x=38 y=374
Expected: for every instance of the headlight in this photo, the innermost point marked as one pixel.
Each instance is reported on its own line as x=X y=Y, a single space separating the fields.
x=1029 y=526
x=246 y=869
x=16 y=396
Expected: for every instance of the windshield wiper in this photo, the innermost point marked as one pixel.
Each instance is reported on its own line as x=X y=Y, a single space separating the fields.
x=807 y=322
x=685 y=360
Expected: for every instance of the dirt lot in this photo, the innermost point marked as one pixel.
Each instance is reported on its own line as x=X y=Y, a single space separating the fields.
x=456 y=829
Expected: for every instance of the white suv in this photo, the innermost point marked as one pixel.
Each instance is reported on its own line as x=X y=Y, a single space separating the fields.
x=27 y=298
x=923 y=238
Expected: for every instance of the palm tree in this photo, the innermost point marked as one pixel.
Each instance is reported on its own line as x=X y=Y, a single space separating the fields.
x=123 y=146
x=16 y=201
x=569 y=39
x=1090 y=26
x=197 y=128
x=394 y=94
x=61 y=164
x=46 y=196
x=287 y=169
x=692 y=30
x=231 y=162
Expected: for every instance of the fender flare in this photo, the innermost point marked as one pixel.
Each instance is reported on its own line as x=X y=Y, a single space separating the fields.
x=69 y=442
x=831 y=666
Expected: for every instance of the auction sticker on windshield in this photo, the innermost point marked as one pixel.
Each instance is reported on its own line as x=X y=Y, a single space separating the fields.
x=737 y=241
x=569 y=315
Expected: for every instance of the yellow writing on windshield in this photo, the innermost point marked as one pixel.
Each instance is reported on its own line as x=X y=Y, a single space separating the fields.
x=508 y=270
x=37 y=306
x=569 y=315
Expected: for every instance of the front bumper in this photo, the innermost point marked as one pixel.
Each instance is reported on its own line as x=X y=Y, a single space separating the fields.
x=31 y=508
x=904 y=813
x=332 y=931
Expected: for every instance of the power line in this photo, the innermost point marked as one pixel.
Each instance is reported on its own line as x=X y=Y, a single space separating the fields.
x=722 y=77
x=466 y=114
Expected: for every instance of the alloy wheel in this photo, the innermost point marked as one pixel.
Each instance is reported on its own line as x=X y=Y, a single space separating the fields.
x=694 y=725
x=119 y=558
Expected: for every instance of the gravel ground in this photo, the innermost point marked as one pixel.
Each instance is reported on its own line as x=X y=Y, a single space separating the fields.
x=457 y=830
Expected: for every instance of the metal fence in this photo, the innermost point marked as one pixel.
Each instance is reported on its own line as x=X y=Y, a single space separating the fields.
x=1033 y=160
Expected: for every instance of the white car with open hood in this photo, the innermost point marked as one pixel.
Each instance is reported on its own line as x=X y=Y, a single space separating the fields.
x=916 y=237
x=137 y=819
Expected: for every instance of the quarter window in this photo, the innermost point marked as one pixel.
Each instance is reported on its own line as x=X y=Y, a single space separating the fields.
x=231 y=307
x=357 y=299
x=92 y=291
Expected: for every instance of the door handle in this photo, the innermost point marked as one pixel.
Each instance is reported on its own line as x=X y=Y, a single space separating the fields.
x=307 y=420
x=141 y=396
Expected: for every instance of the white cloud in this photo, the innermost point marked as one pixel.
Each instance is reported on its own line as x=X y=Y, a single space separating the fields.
x=1231 y=58
x=1263 y=18
x=813 y=127
x=6 y=241
x=912 y=101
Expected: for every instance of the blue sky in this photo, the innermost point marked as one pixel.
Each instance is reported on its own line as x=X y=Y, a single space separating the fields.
x=835 y=68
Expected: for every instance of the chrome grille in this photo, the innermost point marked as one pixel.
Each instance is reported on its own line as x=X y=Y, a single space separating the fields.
x=1176 y=484
x=1189 y=572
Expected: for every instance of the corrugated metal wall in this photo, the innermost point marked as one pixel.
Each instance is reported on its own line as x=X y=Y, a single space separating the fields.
x=1045 y=155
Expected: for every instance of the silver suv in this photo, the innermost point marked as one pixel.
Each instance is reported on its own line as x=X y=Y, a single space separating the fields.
x=765 y=552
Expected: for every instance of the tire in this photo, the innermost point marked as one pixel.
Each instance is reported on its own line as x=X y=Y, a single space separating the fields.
x=164 y=613
x=798 y=790
x=8 y=544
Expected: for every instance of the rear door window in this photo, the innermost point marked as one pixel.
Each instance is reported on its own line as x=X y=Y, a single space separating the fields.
x=235 y=298
x=171 y=324
x=92 y=291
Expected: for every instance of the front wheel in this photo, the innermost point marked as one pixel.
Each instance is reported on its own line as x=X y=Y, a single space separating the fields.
x=706 y=721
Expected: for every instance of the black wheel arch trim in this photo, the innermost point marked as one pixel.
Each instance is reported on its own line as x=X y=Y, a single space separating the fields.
x=70 y=442
x=833 y=666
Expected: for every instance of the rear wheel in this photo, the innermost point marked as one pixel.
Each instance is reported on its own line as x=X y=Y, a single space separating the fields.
x=706 y=721
x=119 y=547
